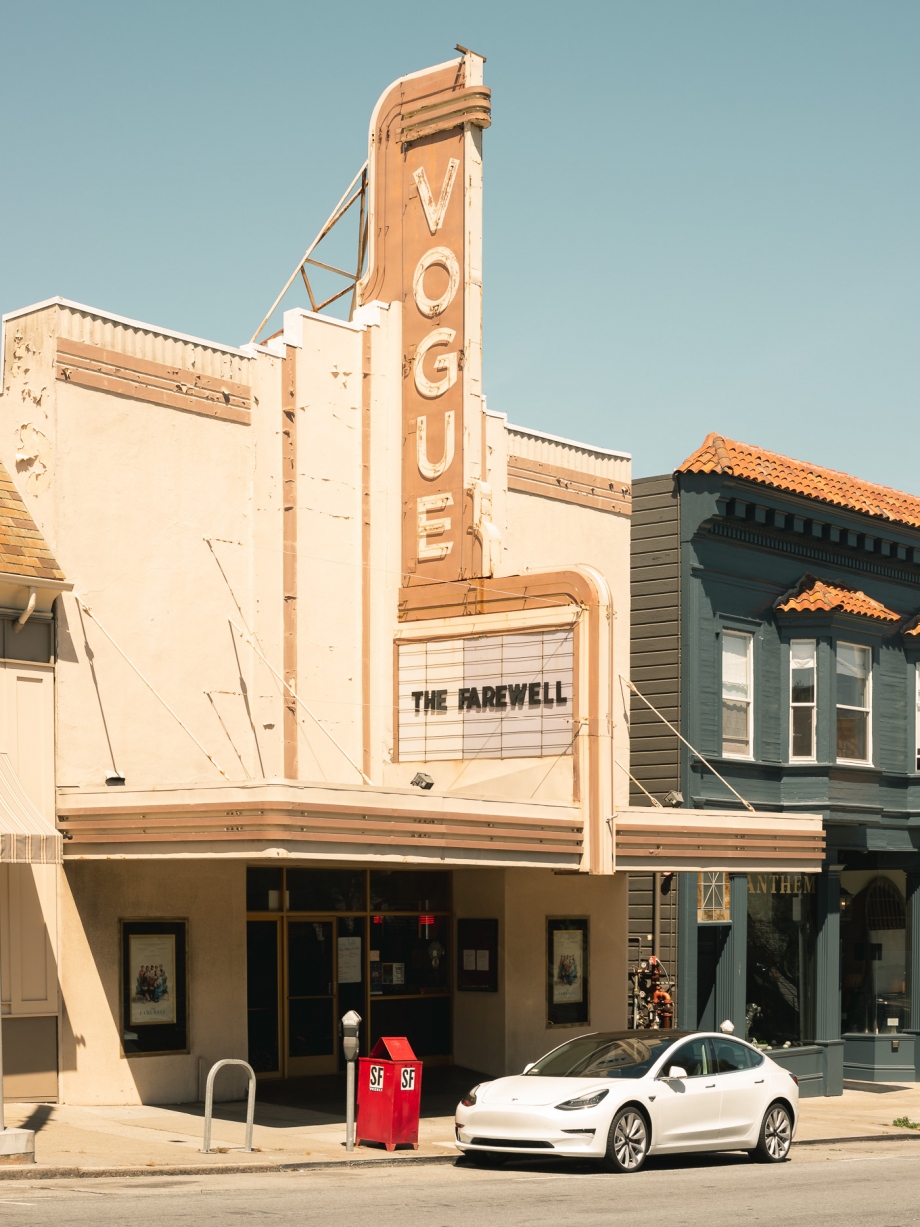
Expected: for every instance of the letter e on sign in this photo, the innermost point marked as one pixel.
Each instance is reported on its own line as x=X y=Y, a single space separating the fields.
x=375 y=1082
x=407 y=1081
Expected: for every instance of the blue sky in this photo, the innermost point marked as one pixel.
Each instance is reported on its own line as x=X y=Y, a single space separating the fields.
x=699 y=215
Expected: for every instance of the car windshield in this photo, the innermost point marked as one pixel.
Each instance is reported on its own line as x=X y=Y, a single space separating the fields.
x=605 y=1056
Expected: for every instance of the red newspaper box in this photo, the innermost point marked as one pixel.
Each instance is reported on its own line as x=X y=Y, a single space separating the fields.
x=389 y=1094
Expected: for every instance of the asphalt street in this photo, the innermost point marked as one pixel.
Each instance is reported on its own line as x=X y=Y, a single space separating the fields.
x=836 y=1184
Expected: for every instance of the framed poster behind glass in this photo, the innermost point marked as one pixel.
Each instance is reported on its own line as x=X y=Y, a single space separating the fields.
x=154 y=986
x=566 y=971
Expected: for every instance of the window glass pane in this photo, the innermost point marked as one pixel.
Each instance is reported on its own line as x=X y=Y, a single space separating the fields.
x=692 y=1057
x=713 y=897
x=852 y=734
x=736 y=734
x=782 y=913
x=735 y=653
x=802 y=653
x=730 y=1057
x=263 y=889
x=852 y=675
x=874 y=958
x=326 y=890
x=409 y=957
x=803 y=724
x=413 y=891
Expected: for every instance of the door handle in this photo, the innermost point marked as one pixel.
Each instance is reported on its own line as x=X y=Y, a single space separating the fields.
x=710 y=1086
x=757 y=1081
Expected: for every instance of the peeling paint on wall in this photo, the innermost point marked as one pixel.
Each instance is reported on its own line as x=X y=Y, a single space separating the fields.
x=33 y=458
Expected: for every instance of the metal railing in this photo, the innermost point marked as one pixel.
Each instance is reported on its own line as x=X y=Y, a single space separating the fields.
x=209 y=1103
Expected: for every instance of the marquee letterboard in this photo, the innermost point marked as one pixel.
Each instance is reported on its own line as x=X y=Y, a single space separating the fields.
x=492 y=696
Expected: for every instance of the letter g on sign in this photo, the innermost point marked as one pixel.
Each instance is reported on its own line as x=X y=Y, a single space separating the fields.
x=447 y=363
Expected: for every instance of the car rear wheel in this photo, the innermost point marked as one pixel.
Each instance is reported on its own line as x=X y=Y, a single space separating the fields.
x=775 y=1135
x=627 y=1141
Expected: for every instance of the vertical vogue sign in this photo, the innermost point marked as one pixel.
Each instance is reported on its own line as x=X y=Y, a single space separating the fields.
x=425 y=252
x=433 y=319
x=490 y=696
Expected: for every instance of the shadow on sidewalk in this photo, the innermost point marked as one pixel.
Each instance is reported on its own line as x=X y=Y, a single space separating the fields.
x=293 y=1103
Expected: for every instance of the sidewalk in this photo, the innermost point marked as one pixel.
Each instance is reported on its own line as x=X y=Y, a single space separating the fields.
x=73 y=1141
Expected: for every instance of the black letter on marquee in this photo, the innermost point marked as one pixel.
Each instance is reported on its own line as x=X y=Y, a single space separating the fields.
x=417 y=695
x=488 y=696
x=518 y=694
x=560 y=698
x=533 y=697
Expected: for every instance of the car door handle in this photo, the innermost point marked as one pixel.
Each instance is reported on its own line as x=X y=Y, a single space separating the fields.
x=757 y=1081
x=710 y=1086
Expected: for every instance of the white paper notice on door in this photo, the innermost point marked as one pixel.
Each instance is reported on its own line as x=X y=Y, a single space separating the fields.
x=482 y=960
x=469 y=960
x=349 y=960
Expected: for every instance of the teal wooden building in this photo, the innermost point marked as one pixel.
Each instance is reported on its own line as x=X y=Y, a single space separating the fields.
x=775 y=623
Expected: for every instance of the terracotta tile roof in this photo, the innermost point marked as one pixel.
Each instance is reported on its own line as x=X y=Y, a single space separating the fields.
x=912 y=629
x=811 y=595
x=721 y=455
x=22 y=547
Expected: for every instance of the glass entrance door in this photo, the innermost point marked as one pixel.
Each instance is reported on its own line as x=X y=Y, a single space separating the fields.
x=311 y=1012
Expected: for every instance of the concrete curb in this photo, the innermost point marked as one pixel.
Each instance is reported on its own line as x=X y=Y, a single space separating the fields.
x=906 y=1136
x=51 y=1171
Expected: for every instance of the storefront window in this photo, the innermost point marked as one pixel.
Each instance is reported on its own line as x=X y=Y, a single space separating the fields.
x=873 y=951
x=780 y=959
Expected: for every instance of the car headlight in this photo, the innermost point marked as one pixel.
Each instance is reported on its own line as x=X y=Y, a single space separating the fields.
x=470 y=1097
x=591 y=1100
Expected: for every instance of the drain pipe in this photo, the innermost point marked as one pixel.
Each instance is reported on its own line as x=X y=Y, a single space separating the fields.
x=26 y=613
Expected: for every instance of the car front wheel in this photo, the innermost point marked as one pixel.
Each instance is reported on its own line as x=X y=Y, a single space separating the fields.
x=775 y=1135
x=627 y=1141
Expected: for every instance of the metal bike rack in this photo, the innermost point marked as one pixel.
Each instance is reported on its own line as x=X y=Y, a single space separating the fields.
x=209 y=1103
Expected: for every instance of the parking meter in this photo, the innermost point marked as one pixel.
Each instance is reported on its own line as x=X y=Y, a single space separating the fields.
x=351 y=1024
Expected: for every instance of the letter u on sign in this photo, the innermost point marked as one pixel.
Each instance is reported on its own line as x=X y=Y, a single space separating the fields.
x=425 y=466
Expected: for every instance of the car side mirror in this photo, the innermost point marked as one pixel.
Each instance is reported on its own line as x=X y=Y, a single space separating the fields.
x=676 y=1071
x=528 y=1068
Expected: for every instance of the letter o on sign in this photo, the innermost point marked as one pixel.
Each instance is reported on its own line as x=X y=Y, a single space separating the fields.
x=443 y=256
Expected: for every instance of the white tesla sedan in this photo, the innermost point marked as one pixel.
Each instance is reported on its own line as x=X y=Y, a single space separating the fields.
x=622 y=1096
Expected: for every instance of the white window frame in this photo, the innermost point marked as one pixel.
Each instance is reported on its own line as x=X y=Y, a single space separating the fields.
x=748 y=636
x=862 y=647
x=804 y=758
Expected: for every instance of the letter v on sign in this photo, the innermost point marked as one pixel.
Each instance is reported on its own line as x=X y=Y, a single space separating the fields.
x=434 y=213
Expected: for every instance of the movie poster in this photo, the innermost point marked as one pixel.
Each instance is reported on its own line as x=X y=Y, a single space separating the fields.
x=152 y=960
x=568 y=966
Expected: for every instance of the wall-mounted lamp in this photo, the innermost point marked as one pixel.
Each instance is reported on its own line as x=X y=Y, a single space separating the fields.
x=421 y=780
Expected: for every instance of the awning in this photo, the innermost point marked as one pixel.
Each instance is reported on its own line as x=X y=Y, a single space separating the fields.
x=26 y=838
x=676 y=840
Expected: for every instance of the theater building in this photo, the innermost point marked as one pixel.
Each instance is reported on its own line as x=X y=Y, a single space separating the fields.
x=775 y=608
x=340 y=667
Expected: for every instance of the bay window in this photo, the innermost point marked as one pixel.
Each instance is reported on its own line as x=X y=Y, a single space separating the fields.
x=802 y=697
x=854 y=701
x=737 y=694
